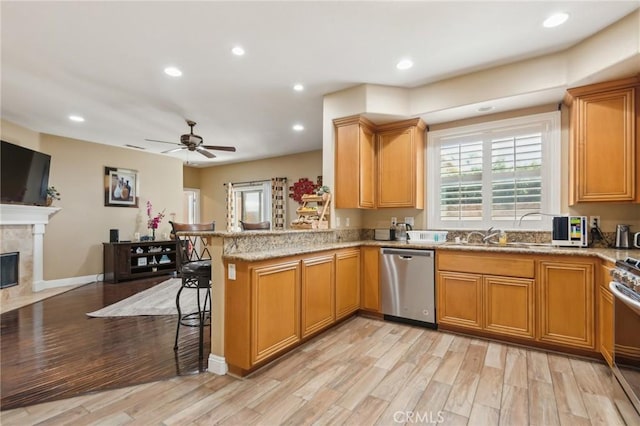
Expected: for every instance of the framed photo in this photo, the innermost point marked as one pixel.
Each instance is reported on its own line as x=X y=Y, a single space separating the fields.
x=142 y=261
x=120 y=187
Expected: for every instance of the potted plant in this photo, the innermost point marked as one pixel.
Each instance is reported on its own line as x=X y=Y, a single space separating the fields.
x=52 y=194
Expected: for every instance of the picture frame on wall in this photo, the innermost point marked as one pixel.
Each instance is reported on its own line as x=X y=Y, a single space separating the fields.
x=120 y=187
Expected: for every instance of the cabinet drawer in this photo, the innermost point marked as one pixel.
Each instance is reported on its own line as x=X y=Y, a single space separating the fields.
x=491 y=264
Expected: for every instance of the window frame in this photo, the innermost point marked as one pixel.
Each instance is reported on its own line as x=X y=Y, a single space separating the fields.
x=263 y=187
x=549 y=126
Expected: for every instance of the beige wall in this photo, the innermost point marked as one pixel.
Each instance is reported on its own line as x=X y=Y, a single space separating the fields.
x=212 y=180
x=74 y=237
x=20 y=135
x=191 y=177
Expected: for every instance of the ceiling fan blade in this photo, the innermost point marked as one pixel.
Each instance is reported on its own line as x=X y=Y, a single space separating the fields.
x=205 y=152
x=154 y=140
x=174 y=150
x=220 y=148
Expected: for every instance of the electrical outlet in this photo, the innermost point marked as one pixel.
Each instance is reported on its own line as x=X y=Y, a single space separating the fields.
x=347 y=222
x=337 y=221
x=594 y=221
x=231 y=271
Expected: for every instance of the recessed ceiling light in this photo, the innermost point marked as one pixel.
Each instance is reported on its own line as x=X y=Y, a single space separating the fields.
x=298 y=87
x=485 y=108
x=555 y=20
x=76 y=118
x=404 y=64
x=173 y=71
x=298 y=127
x=238 y=51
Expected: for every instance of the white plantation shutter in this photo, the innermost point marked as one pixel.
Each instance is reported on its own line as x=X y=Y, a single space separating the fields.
x=461 y=181
x=516 y=180
x=493 y=173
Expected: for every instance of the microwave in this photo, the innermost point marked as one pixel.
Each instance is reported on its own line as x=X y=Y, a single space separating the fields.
x=569 y=231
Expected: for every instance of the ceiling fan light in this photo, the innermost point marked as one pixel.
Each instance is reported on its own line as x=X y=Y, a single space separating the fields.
x=173 y=71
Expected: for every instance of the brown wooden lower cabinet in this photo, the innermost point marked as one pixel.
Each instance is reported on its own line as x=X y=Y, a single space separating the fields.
x=318 y=294
x=550 y=301
x=370 y=279
x=509 y=306
x=460 y=299
x=605 y=313
x=275 y=307
x=347 y=282
x=566 y=308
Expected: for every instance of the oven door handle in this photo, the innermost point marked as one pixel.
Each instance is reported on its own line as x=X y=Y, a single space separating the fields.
x=633 y=304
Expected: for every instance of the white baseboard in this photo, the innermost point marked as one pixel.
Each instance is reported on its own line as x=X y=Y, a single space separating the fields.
x=63 y=282
x=217 y=365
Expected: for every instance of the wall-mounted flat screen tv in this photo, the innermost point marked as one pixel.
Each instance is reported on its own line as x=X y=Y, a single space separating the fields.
x=24 y=175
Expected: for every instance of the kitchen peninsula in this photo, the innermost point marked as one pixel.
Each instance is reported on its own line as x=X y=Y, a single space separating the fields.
x=283 y=287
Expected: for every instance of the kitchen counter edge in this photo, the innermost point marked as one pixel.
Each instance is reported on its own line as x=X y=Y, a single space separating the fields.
x=607 y=254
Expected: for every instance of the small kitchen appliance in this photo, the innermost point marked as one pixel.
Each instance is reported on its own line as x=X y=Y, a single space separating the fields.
x=569 y=231
x=384 y=234
x=622 y=237
x=401 y=231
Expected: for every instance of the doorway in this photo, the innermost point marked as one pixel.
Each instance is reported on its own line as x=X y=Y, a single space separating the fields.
x=191 y=205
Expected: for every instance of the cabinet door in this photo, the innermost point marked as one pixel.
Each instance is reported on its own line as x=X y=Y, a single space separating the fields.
x=401 y=166
x=122 y=262
x=354 y=163
x=275 y=307
x=605 y=314
x=347 y=282
x=460 y=299
x=318 y=306
x=370 y=279
x=604 y=146
x=509 y=306
x=566 y=303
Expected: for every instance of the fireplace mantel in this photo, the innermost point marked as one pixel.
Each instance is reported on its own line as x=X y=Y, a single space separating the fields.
x=37 y=217
x=18 y=214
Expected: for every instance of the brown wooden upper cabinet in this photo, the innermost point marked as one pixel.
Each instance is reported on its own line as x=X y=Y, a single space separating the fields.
x=401 y=164
x=355 y=163
x=379 y=166
x=604 y=154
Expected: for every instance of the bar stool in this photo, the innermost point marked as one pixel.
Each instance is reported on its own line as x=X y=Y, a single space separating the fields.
x=194 y=266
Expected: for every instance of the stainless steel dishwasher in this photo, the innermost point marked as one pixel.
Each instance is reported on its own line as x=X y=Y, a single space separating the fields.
x=407 y=285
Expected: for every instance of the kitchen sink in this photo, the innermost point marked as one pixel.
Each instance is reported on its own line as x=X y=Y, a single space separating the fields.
x=495 y=245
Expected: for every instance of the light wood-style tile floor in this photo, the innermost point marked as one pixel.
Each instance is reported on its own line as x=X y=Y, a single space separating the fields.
x=364 y=372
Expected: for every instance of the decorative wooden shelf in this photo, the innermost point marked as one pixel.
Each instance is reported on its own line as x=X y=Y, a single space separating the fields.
x=312 y=216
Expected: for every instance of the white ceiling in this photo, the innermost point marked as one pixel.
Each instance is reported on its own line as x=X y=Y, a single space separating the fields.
x=105 y=60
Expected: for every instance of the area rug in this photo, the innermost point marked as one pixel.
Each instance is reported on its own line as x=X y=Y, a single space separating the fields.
x=157 y=300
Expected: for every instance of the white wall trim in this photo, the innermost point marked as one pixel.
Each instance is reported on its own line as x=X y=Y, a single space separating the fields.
x=63 y=282
x=217 y=365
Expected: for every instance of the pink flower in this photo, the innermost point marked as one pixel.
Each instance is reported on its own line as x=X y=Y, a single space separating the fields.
x=154 y=222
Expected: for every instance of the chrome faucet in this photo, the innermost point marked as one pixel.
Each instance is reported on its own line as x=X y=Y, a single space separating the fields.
x=486 y=236
x=490 y=234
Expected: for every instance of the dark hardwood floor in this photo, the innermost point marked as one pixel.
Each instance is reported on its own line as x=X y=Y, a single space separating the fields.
x=51 y=350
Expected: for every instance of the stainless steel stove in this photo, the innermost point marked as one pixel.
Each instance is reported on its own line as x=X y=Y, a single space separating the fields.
x=625 y=286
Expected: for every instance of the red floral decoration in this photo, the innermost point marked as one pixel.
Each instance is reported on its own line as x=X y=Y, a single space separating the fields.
x=301 y=187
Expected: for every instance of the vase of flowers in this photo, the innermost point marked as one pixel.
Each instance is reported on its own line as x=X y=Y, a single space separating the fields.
x=154 y=221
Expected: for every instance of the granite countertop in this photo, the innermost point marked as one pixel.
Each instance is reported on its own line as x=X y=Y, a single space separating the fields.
x=603 y=253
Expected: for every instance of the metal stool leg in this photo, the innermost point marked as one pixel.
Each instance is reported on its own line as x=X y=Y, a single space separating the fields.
x=175 y=345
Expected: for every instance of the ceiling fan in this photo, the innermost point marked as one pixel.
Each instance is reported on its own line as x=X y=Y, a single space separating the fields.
x=193 y=142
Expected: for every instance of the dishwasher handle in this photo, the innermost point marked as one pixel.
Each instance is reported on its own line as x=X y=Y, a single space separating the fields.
x=406 y=253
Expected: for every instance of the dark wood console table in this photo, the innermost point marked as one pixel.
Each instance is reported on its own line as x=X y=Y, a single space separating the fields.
x=131 y=260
